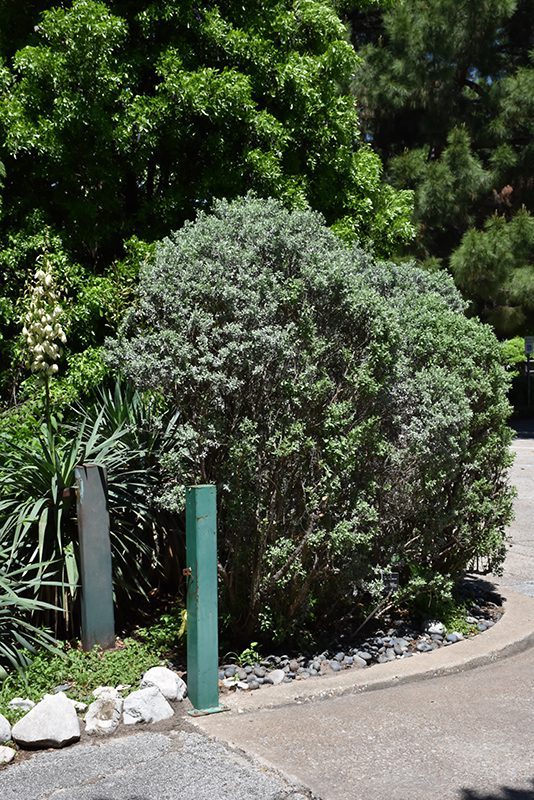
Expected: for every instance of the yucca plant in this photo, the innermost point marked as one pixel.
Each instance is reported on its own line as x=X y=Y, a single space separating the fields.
x=38 y=505
x=20 y=636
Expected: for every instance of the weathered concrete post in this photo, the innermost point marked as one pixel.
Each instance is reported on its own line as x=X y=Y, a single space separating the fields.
x=202 y=623
x=98 y=623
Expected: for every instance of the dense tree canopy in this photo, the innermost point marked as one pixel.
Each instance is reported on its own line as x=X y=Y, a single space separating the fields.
x=446 y=96
x=125 y=118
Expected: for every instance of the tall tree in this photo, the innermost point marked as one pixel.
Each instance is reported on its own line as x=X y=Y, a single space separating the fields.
x=125 y=118
x=445 y=91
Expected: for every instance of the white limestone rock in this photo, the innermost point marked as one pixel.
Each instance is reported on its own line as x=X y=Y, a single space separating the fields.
x=21 y=704
x=5 y=730
x=104 y=715
x=77 y=706
x=51 y=723
x=435 y=627
x=7 y=754
x=171 y=686
x=107 y=691
x=146 y=705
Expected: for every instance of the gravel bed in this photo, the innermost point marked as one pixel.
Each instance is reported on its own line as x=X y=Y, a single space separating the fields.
x=399 y=639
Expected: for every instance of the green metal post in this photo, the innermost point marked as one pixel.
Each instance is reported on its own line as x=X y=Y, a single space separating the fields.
x=202 y=631
x=98 y=624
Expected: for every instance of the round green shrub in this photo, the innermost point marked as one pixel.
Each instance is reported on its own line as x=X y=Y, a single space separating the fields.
x=353 y=419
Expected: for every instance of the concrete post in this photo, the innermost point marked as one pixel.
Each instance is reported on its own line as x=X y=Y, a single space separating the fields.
x=98 y=624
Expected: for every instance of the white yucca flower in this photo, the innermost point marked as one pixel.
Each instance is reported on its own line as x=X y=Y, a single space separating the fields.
x=42 y=329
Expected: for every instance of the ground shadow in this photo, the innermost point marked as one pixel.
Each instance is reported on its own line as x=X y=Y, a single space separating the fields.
x=502 y=793
x=524 y=428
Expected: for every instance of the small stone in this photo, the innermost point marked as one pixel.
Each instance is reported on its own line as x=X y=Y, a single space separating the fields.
x=359 y=662
x=436 y=627
x=106 y=691
x=248 y=669
x=63 y=687
x=21 y=704
x=454 y=637
x=423 y=647
x=230 y=671
x=51 y=723
x=230 y=683
x=471 y=620
x=482 y=627
x=364 y=655
x=7 y=754
x=171 y=686
x=489 y=623
x=436 y=637
x=221 y=675
x=383 y=659
x=77 y=705
x=253 y=685
x=335 y=666
x=397 y=649
x=244 y=685
x=390 y=654
x=339 y=656
x=348 y=660
x=276 y=676
x=260 y=672
x=241 y=674
x=5 y=730
x=294 y=665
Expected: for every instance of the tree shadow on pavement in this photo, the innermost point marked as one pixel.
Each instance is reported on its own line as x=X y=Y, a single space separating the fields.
x=503 y=793
x=524 y=428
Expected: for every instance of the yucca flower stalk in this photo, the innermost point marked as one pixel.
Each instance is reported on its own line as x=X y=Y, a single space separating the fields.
x=42 y=330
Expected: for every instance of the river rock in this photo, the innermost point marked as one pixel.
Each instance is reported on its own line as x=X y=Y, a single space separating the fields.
x=7 y=754
x=5 y=730
x=276 y=676
x=51 y=723
x=104 y=714
x=171 y=686
x=146 y=705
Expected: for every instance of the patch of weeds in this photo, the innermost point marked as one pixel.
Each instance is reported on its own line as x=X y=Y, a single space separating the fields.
x=83 y=670
x=248 y=657
x=165 y=635
x=453 y=614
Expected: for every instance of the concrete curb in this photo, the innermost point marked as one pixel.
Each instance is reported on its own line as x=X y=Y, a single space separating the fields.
x=513 y=634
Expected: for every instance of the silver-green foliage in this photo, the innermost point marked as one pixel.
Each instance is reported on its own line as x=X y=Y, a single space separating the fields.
x=350 y=414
